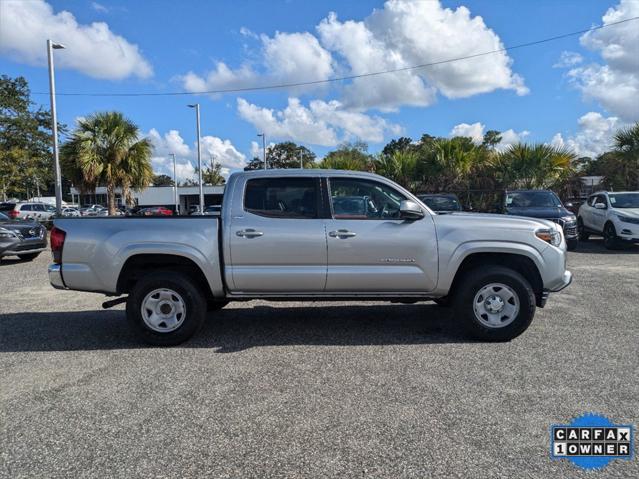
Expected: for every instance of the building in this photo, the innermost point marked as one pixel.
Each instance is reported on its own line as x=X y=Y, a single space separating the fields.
x=155 y=196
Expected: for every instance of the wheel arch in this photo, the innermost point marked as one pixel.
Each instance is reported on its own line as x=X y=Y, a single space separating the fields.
x=520 y=263
x=139 y=265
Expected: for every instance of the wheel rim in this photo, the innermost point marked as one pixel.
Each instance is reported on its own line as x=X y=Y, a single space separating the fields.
x=496 y=305
x=163 y=310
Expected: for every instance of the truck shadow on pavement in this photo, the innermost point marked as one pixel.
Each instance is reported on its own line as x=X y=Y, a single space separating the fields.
x=240 y=327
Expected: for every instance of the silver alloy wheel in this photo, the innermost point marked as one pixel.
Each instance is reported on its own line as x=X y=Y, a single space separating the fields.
x=163 y=310
x=496 y=305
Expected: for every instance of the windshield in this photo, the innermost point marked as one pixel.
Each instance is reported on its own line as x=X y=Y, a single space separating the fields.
x=624 y=200
x=532 y=199
x=441 y=203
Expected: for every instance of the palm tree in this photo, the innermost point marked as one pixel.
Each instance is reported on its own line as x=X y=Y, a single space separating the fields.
x=400 y=166
x=627 y=147
x=535 y=166
x=106 y=148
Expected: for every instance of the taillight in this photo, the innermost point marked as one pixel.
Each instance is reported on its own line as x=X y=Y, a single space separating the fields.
x=13 y=214
x=57 y=243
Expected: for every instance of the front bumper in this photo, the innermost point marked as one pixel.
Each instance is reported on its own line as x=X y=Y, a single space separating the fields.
x=22 y=247
x=55 y=276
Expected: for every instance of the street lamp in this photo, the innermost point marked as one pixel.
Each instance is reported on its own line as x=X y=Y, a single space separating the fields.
x=199 y=155
x=175 y=185
x=263 y=147
x=54 y=119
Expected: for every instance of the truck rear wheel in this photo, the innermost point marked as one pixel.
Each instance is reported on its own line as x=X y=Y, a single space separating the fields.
x=494 y=303
x=165 y=308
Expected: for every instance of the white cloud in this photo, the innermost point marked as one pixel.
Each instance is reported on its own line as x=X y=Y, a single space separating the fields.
x=406 y=33
x=568 y=60
x=615 y=85
x=402 y=34
x=286 y=58
x=321 y=123
x=594 y=136
x=92 y=49
x=222 y=151
x=98 y=7
x=474 y=131
x=477 y=130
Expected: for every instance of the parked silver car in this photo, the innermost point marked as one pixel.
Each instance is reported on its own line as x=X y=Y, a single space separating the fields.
x=28 y=211
x=25 y=239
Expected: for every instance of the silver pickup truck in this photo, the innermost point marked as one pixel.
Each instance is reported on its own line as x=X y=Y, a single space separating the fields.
x=313 y=235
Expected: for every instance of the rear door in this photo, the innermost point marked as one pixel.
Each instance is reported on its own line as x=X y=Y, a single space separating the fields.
x=370 y=249
x=278 y=238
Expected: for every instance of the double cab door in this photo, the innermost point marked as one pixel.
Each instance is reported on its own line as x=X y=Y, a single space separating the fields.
x=332 y=235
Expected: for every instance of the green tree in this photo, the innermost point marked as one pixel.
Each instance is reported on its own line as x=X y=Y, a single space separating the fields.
x=627 y=149
x=212 y=174
x=401 y=166
x=25 y=140
x=106 y=148
x=492 y=138
x=401 y=144
x=162 y=180
x=284 y=155
x=535 y=166
x=349 y=156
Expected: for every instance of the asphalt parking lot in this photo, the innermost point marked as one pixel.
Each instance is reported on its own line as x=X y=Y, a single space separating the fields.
x=312 y=390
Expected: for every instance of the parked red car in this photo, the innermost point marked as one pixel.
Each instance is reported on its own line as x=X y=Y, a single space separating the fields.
x=155 y=211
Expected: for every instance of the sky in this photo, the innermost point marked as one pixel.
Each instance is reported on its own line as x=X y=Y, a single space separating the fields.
x=573 y=92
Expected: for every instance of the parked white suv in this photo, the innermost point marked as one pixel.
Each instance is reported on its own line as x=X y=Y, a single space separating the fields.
x=613 y=215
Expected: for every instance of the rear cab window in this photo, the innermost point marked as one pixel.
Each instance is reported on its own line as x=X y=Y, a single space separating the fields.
x=287 y=197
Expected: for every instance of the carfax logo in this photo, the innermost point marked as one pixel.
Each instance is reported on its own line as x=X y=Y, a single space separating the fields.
x=591 y=441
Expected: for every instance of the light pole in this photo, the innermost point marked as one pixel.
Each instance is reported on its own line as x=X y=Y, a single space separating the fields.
x=175 y=185
x=263 y=147
x=54 y=119
x=199 y=156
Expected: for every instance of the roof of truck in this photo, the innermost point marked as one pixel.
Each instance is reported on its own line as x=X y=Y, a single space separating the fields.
x=304 y=172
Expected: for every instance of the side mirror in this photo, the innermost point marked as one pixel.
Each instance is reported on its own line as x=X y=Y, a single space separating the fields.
x=600 y=206
x=409 y=210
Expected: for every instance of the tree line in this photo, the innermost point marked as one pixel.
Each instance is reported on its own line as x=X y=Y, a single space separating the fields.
x=107 y=149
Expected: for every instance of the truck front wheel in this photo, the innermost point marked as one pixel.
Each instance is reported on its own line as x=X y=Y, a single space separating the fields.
x=494 y=303
x=165 y=308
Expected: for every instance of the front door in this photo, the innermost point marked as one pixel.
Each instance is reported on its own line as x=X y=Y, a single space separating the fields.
x=278 y=240
x=370 y=249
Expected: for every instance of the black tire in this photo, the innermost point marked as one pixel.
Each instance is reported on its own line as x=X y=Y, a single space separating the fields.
x=611 y=240
x=572 y=244
x=216 y=305
x=470 y=285
x=583 y=234
x=190 y=294
x=28 y=257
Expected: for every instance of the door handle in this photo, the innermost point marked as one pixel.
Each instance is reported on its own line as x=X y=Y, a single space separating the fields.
x=341 y=234
x=249 y=233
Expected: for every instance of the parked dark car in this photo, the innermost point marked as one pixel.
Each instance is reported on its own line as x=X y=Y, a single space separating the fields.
x=441 y=202
x=543 y=204
x=155 y=211
x=25 y=239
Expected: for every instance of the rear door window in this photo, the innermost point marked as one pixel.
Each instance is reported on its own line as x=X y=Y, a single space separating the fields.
x=282 y=197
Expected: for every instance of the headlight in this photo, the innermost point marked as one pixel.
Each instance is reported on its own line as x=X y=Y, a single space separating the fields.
x=6 y=233
x=549 y=236
x=627 y=219
x=569 y=219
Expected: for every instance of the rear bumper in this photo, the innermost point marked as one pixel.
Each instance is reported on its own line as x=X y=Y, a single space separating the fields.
x=55 y=276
